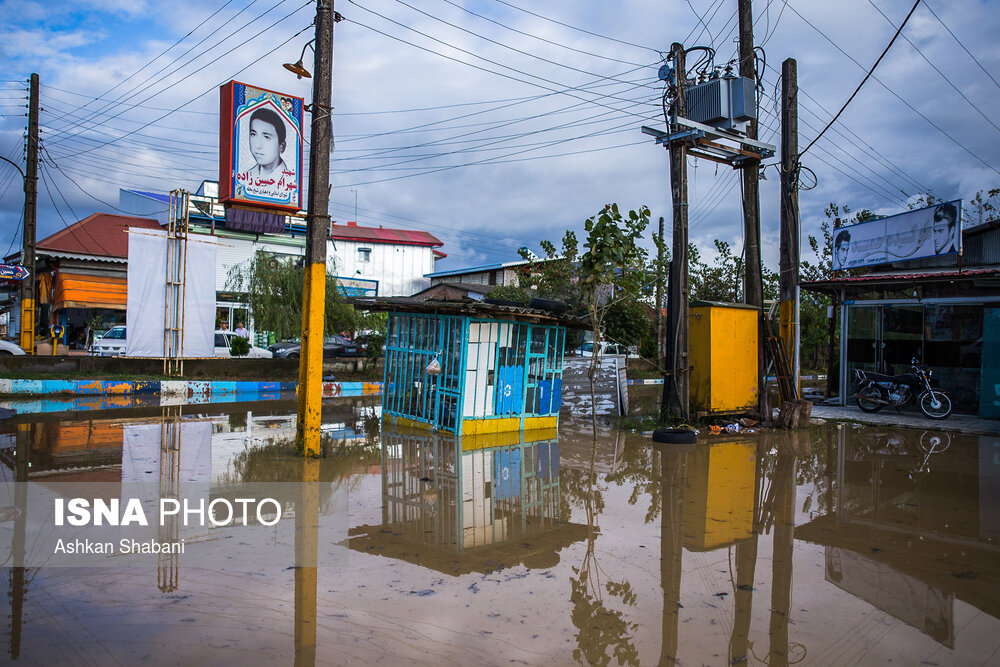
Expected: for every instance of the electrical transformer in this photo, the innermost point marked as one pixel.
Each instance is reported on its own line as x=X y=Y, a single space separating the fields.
x=726 y=102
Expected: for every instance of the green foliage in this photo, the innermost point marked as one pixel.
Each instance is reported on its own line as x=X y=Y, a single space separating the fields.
x=510 y=293
x=627 y=323
x=239 y=346
x=272 y=289
x=984 y=208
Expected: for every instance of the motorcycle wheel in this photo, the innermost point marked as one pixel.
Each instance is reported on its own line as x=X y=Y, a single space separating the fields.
x=935 y=441
x=871 y=391
x=926 y=400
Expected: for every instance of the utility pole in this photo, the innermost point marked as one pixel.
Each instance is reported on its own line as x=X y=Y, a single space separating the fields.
x=789 y=252
x=675 y=403
x=30 y=207
x=753 y=286
x=659 y=293
x=318 y=229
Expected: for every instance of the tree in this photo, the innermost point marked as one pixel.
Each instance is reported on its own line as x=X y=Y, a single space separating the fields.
x=271 y=287
x=611 y=269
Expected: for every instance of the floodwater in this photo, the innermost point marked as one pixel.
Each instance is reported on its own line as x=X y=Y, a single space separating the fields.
x=831 y=545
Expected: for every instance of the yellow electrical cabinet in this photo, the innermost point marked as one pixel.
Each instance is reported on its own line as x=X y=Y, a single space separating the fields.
x=723 y=356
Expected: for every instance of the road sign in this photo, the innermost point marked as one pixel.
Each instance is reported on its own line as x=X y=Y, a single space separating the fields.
x=13 y=272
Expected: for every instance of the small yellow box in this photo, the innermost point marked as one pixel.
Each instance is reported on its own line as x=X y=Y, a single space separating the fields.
x=723 y=355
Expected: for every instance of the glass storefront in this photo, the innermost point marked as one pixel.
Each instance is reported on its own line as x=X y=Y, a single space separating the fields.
x=948 y=338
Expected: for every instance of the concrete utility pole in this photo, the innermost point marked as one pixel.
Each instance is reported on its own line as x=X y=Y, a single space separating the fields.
x=318 y=230
x=30 y=207
x=753 y=285
x=789 y=253
x=675 y=403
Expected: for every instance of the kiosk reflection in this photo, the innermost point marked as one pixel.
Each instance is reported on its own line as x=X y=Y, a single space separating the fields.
x=470 y=504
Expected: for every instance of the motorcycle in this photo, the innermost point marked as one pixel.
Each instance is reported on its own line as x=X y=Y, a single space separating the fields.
x=875 y=391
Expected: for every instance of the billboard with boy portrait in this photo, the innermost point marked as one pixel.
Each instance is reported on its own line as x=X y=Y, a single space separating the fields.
x=260 y=147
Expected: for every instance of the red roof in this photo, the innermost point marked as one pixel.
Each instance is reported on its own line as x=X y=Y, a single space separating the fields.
x=100 y=234
x=353 y=232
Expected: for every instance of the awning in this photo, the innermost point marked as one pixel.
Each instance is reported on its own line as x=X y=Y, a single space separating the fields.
x=80 y=291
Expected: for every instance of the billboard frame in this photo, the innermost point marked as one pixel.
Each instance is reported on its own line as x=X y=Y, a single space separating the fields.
x=231 y=191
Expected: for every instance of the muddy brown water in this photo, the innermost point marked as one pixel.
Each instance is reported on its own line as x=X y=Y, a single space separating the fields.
x=831 y=545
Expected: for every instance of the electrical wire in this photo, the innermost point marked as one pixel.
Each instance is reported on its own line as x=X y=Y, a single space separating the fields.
x=961 y=43
x=894 y=93
x=936 y=69
x=583 y=30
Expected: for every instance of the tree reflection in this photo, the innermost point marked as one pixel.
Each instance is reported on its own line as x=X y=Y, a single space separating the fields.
x=599 y=628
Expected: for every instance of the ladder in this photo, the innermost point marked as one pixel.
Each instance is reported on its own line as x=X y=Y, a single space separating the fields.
x=779 y=362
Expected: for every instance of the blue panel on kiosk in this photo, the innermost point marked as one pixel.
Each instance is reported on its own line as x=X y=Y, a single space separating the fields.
x=508 y=400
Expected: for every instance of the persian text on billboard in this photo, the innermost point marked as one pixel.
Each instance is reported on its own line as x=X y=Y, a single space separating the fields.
x=263 y=158
x=925 y=232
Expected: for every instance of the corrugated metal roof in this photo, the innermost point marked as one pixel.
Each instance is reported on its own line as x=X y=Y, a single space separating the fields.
x=901 y=277
x=469 y=307
x=351 y=232
x=102 y=235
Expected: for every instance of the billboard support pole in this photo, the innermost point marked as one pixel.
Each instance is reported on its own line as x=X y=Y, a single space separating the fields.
x=310 y=390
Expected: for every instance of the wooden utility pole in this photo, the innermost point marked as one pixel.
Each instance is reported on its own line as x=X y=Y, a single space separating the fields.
x=659 y=293
x=789 y=249
x=28 y=305
x=753 y=284
x=675 y=387
x=317 y=232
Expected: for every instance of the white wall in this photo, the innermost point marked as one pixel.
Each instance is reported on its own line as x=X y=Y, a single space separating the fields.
x=234 y=251
x=399 y=269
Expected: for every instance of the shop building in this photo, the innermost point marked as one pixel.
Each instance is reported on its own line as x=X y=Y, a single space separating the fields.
x=942 y=310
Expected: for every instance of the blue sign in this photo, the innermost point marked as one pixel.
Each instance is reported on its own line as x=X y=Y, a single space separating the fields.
x=13 y=272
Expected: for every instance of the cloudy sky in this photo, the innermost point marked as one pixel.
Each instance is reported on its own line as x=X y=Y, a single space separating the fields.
x=494 y=124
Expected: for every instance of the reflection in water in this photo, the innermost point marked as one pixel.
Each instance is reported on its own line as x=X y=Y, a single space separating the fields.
x=549 y=545
x=470 y=503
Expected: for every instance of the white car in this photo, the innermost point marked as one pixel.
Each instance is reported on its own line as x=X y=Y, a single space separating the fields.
x=587 y=349
x=111 y=344
x=222 y=341
x=8 y=348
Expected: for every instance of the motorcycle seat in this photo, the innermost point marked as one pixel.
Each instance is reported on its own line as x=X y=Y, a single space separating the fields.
x=905 y=378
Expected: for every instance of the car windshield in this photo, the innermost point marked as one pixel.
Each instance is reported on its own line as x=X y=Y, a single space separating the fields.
x=118 y=333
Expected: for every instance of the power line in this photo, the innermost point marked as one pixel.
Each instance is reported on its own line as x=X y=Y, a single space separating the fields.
x=164 y=52
x=583 y=30
x=935 y=68
x=960 y=43
x=892 y=92
x=213 y=88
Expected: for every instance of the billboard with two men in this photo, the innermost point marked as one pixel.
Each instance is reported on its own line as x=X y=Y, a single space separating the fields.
x=925 y=232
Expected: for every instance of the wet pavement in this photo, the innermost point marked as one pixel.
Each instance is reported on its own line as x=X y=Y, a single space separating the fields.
x=909 y=418
x=839 y=544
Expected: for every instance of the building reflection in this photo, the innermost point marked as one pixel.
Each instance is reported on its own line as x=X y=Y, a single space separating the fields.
x=469 y=503
x=915 y=525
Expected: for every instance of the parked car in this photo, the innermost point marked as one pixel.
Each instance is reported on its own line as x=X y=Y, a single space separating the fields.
x=333 y=347
x=111 y=344
x=281 y=345
x=605 y=348
x=222 y=343
x=8 y=348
